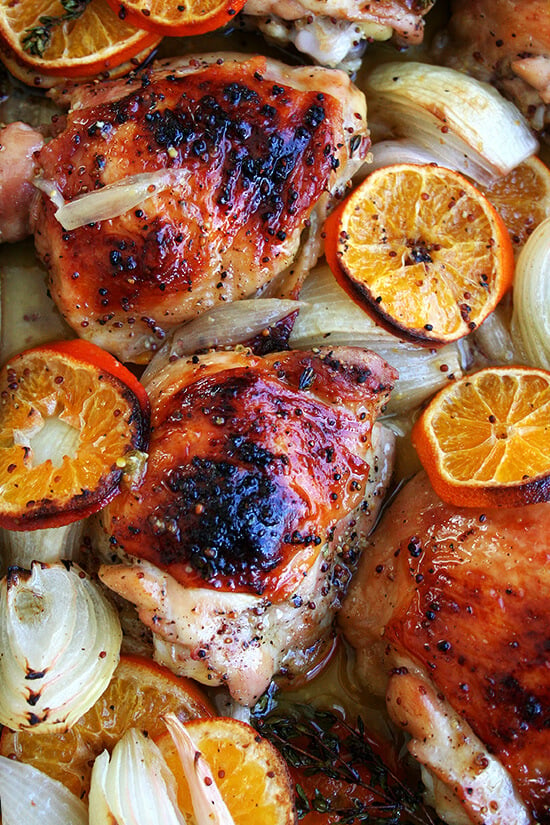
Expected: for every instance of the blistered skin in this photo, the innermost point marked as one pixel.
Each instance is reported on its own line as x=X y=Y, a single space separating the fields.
x=252 y=463
x=259 y=154
x=505 y=42
x=459 y=598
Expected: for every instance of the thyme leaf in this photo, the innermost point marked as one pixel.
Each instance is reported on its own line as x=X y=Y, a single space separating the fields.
x=36 y=39
x=319 y=742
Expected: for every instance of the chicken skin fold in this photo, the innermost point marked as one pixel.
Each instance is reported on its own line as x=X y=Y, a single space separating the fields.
x=257 y=476
x=255 y=149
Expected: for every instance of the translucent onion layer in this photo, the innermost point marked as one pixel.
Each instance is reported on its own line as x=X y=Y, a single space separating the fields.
x=133 y=787
x=467 y=124
x=531 y=316
x=31 y=797
x=330 y=316
x=59 y=645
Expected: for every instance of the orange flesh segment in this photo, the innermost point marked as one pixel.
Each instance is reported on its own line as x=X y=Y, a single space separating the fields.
x=485 y=439
x=422 y=250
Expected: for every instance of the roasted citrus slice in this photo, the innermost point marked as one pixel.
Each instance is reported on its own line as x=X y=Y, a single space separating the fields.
x=82 y=38
x=484 y=440
x=73 y=425
x=522 y=199
x=422 y=250
x=139 y=694
x=250 y=773
x=176 y=18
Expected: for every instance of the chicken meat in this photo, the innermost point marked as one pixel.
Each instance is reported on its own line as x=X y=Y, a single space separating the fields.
x=263 y=480
x=244 y=156
x=448 y=615
x=507 y=43
x=336 y=32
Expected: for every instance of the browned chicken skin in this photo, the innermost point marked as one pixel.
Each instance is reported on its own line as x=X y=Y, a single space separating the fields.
x=255 y=467
x=262 y=145
x=505 y=42
x=449 y=614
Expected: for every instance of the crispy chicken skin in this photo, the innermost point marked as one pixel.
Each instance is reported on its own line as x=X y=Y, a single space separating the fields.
x=262 y=147
x=239 y=542
x=18 y=145
x=505 y=42
x=449 y=617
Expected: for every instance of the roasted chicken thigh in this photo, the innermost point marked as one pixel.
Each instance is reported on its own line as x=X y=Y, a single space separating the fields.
x=261 y=486
x=448 y=615
x=251 y=152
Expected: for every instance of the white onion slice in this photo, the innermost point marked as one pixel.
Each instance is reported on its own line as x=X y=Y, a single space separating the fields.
x=531 y=315
x=331 y=317
x=48 y=545
x=464 y=122
x=390 y=152
x=134 y=787
x=208 y=805
x=59 y=645
x=30 y=797
x=223 y=326
x=112 y=200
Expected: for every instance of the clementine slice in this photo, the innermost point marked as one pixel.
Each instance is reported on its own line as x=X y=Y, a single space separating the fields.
x=139 y=694
x=522 y=199
x=73 y=425
x=484 y=440
x=422 y=251
x=177 y=18
x=68 y=38
x=251 y=774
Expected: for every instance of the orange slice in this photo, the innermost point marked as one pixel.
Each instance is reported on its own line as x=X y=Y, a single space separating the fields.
x=484 y=440
x=249 y=771
x=73 y=425
x=177 y=18
x=81 y=38
x=522 y=199
x=139 y=694
x=422 y=251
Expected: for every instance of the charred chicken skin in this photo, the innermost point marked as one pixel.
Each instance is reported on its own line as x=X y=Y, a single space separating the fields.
x=240 y=541
x=256 y=149
x=449 y=617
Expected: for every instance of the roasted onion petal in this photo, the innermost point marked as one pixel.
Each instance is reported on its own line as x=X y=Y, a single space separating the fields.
x=329 y=316
x=59 y=645
x=531 y=315
x=133 y=787
x=224 y=326
x=114 y=199
x=467 y=124
x=208 y=803
x=48 y=545
x=31 y=797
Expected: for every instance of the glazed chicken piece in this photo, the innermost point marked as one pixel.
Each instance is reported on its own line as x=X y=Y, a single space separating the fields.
x=262 y=483
x=448 y=615
x=253 y=150
x=507 y=43
x=335 y=32
x=18 y=144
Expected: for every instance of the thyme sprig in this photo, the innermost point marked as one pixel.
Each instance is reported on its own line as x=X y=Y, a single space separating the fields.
x=320 y=742
x=36 y=39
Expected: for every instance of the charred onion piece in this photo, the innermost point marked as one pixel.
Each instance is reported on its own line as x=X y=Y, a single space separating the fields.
x=73 y=424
